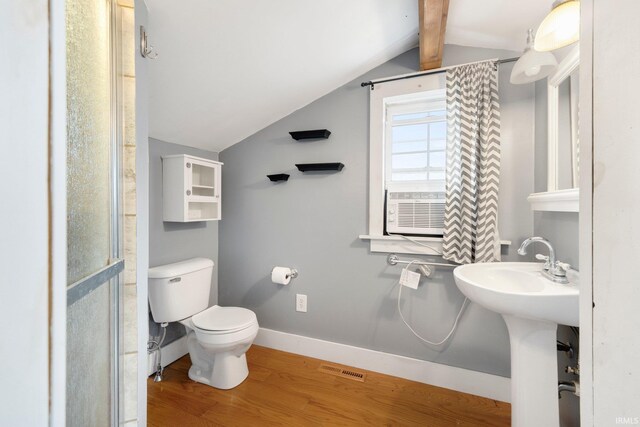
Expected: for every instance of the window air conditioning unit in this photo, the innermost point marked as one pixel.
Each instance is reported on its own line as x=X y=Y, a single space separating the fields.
x=415 y=209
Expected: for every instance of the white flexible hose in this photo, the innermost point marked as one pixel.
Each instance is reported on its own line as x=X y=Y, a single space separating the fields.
x=453 y=328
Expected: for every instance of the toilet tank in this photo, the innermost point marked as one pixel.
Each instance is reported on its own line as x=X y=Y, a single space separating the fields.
x=179 y=290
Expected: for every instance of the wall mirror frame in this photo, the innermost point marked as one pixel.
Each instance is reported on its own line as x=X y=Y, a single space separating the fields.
x=556 y=199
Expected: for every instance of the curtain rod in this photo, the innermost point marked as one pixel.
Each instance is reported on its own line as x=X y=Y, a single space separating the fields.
x=428 y=72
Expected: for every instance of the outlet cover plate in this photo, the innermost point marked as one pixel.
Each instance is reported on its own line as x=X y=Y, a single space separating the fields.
x=301 y=303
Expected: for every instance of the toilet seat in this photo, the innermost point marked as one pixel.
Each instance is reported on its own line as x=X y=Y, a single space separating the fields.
x=218 y=320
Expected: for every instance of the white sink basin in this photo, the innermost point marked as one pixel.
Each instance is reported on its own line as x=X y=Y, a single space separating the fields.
x=519 y=289
x=531 y=306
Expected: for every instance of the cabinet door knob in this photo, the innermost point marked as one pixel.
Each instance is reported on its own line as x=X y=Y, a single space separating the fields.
x=188 y=192
x=188 y=165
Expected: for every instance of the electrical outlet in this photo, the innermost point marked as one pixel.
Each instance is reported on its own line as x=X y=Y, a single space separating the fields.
x=301 y=303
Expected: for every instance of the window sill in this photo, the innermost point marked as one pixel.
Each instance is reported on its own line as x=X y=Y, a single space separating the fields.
x=395 y=244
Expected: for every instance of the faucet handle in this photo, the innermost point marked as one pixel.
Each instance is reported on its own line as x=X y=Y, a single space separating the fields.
x=545 y=259
x=563 y=265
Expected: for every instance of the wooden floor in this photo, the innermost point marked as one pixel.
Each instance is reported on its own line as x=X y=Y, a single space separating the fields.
x=287 y=389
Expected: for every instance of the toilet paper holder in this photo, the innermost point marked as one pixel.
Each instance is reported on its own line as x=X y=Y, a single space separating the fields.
x=293 y=275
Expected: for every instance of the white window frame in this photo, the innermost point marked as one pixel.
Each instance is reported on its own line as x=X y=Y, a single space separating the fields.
x=381 y=96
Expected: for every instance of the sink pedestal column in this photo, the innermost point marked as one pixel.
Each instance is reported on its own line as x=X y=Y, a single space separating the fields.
x=534 y=373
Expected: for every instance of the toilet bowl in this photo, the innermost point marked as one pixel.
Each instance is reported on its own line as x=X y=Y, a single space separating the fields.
x=217 y=337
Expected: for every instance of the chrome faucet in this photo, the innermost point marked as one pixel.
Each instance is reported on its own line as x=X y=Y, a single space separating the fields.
x=553 y=270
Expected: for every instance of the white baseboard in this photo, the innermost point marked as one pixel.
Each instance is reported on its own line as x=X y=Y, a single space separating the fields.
x=458 y=379
x=170 y=353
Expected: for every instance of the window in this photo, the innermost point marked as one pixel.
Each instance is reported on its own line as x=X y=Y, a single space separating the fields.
x=407 y=153
x=407 y=150
x=415 y=141
x=415 y=131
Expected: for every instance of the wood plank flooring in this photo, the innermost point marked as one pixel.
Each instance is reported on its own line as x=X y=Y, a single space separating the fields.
x=288 y=390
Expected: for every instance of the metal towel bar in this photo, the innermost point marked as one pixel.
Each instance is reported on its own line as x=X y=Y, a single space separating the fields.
x=393 y=259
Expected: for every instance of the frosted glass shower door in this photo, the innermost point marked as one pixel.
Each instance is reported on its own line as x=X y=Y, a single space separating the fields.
x=93 y=216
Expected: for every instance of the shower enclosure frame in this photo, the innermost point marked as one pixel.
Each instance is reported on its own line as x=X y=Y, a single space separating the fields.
x=111 y=275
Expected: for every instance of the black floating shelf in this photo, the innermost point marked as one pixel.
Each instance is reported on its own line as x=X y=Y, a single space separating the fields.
x=312 y=167
x=278 y=177
x=310 y=134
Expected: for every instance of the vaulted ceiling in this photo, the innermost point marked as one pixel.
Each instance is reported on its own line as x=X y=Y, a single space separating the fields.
x=227 y=69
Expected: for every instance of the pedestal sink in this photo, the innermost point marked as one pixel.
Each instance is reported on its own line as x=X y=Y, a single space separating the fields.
x=532 y=307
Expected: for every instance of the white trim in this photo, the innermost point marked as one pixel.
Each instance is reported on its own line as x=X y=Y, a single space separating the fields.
x=58 y=188
x=558 y=201
x=170 y=353
x=574 y=102
x=554 y=199
x=450 y=377
x=396 y=244
x=552 y=138
x=565 y=68
x=400 y=245
x=30 y=291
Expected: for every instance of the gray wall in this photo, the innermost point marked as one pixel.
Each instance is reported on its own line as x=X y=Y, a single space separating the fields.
x=312 y=222
x=173 y=241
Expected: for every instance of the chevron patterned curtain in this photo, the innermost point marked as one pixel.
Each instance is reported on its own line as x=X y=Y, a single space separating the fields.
x=473 y=164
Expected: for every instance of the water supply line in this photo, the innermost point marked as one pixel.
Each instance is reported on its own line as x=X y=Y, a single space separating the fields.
x=571 y=386
x=567 y=348
x=155 y=345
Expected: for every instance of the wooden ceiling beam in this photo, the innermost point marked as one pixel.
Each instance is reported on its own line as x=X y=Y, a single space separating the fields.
x=433 y=24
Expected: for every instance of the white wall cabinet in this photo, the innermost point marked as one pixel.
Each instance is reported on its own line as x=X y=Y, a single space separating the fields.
x=191 y=189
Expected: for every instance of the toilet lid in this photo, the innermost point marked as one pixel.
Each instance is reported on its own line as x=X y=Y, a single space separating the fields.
x=218 y=318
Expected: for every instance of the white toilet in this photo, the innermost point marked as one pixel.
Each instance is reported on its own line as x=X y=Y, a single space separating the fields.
x=218 y=337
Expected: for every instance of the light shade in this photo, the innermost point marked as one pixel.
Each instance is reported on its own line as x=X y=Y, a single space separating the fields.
x=560 y=27
x=532 y=65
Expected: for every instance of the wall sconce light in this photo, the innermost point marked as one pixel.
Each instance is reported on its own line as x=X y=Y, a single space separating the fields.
x=532 y=65
x=560 y=27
